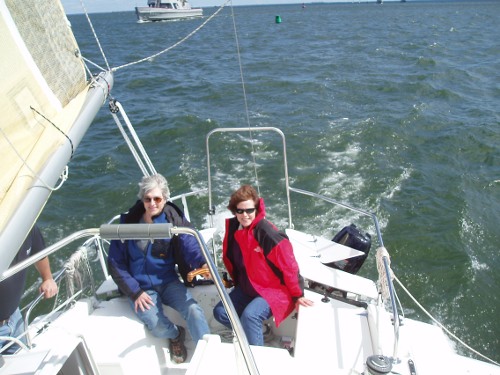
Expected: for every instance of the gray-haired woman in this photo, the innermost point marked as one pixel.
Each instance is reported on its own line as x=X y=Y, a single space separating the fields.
x=145 y=272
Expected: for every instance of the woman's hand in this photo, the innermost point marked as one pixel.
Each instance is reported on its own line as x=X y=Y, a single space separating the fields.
x=143 y=302
x=303 y=301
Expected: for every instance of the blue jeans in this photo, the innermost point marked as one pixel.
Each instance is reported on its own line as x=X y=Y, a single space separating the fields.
x=13 y=328
x=177 y=296
x=252 y=312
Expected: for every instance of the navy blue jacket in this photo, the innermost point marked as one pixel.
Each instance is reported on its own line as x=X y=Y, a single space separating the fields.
x=11 y=289
x=135 y=269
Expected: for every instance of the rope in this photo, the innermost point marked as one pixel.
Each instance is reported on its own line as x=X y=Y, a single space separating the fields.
x=78 y=271
x=382 y=278
x=145 y=58
x=382 y=252
x=440 y=325
x=247 y=115
x=64 y=173
x=55 y=126
x=174 y=45
x=91 y=63
x=95 y=34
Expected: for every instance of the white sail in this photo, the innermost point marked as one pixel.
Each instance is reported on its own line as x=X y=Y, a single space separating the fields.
x=46 y=103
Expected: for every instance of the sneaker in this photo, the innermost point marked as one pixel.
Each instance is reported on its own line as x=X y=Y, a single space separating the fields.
x=177 y=349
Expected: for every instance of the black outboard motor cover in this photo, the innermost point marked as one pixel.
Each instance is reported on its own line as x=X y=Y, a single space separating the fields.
x=352 y=237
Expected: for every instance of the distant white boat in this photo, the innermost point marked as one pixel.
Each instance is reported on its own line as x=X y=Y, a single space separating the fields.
x=158 y=10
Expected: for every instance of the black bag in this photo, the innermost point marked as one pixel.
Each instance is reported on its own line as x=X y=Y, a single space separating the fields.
x=352 y=237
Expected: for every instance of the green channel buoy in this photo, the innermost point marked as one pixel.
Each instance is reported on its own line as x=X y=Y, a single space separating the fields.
x=278 y=19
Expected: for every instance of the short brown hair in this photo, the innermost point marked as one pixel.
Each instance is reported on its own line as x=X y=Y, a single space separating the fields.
x=244 y=193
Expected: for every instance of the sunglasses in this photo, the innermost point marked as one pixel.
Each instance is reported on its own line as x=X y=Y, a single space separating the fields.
x=247 y=210
x=149 y=200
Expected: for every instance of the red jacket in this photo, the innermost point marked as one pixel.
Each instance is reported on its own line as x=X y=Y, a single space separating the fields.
x=263 y=248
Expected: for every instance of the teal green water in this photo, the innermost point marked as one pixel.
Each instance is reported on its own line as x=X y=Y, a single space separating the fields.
x=391 y=108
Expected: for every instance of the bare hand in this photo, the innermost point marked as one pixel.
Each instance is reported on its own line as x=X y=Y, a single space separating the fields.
x=143 y=302
x=48 y=288
x=303 y=301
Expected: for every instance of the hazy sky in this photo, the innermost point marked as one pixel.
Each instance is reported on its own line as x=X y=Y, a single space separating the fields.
x=93 y=6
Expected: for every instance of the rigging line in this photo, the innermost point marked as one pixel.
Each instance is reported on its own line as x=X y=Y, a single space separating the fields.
x=440 y=325
x=64 y=173
x=92 y=63
x=175 y=44
x=55 y=126
x=245 y=100
x=91 y=76
x=89 y=72
x=95 y=34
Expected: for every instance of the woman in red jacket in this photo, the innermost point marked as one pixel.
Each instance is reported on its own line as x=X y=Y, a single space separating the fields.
x=260 y=261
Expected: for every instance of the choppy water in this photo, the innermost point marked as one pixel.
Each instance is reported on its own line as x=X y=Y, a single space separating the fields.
x=393 y=108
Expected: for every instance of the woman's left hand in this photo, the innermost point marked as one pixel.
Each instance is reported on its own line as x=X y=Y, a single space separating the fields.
x=303 y=301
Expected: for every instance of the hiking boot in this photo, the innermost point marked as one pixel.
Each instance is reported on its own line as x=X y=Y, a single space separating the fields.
x=177 y=349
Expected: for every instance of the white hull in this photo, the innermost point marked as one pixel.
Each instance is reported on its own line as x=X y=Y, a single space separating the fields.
x=150 y=14
x=103 y=336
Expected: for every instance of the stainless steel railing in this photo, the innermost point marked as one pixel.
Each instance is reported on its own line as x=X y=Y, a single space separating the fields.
x=154 y=231
x=392 y=293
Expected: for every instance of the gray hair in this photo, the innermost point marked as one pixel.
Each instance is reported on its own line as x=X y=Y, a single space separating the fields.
x=151 y=182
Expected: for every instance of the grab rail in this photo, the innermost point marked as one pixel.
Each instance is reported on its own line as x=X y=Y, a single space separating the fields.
x=256 y=129
x=92 y=232
x=33 y=304
x=330 y=200
x=392 y=292
x=154 y=231
x=183 y=197
x=138 y=231
x=395 y=315
x=288 y=188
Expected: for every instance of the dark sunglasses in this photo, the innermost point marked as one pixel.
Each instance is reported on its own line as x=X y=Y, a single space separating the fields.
x=247 y=210
x=156 y=199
